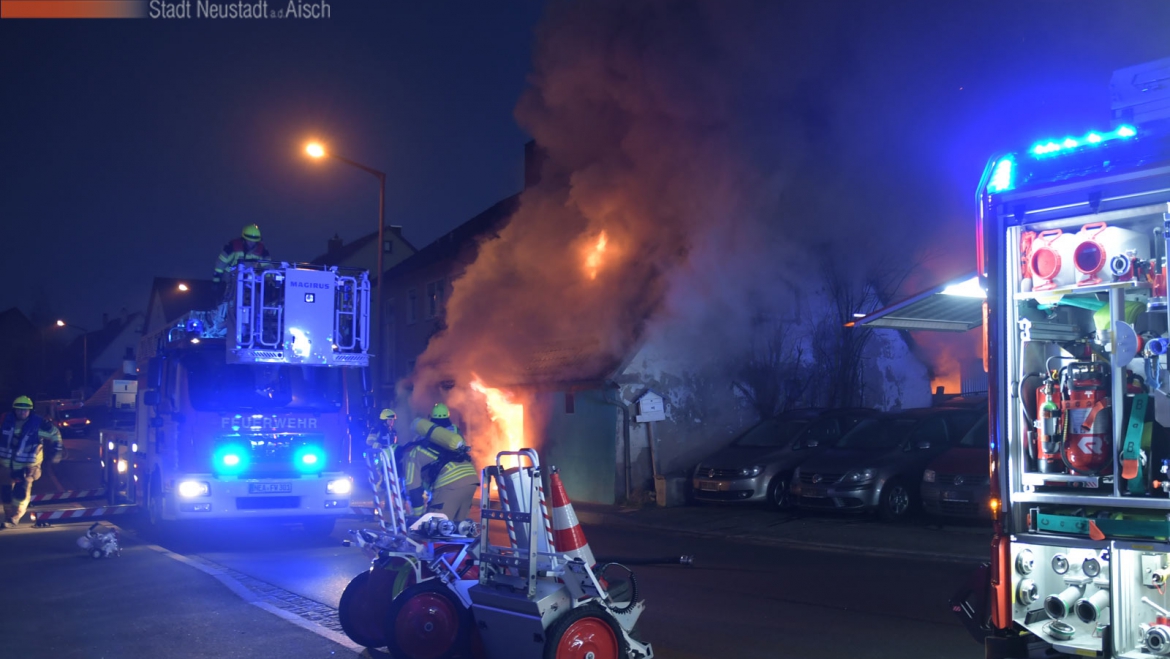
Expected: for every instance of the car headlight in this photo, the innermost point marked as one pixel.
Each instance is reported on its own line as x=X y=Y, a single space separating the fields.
x=928 y=476
x=192 y=489
x=340 y=486
x=858 y=476
x=751 y=472
x=87 y=422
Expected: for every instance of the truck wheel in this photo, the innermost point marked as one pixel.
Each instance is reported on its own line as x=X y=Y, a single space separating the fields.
x=896 y=502
x=427 y=621
x=779 y=498
x=586 y=632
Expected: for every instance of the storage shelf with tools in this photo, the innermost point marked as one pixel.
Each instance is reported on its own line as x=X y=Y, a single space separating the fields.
x=1133 y=289
x=1137 y=503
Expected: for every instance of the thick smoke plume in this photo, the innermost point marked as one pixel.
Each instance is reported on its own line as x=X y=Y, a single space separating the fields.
x=679 y=135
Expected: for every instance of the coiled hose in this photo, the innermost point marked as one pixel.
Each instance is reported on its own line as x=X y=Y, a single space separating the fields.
x=633 y=588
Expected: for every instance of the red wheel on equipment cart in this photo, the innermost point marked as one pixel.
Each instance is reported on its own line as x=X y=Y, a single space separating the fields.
x=586 y=632
x=367 y=598
x=427 y=621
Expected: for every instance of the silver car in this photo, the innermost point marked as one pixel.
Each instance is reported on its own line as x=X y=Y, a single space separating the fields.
x=878 y=466
x=757 y=466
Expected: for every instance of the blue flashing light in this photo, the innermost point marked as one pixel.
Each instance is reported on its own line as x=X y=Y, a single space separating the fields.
x=309 y=459
x=1068 y=144
x=1001 y=176
x=230 y=460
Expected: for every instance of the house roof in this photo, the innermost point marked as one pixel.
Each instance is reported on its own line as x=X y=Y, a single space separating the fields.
x=200 y=294
x=15 y=318
x=355 y=246
x=953 y=306
x=449 y=245
x=567 y=362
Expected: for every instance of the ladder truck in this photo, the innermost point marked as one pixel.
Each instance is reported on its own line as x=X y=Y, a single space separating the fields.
x=243 y=411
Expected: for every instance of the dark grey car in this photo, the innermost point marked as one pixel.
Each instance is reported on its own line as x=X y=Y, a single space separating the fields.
x=757 y=466
x=878 y=465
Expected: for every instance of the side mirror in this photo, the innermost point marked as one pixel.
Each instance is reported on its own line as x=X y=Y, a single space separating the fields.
x=923 y=445
x=150 y=397
x=156 y=422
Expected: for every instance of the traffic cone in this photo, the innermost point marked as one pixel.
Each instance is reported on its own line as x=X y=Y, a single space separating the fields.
x=567 y=534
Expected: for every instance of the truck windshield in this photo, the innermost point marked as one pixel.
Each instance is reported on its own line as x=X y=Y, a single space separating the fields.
x=215 y=386
x=877 y=434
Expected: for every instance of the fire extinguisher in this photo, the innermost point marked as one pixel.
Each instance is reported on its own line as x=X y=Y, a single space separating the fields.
x=1048 y=428
x=1086 y=446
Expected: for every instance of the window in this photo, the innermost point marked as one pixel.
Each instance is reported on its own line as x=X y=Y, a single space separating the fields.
x=435 y=298
x=388 y=246
x=412 y=306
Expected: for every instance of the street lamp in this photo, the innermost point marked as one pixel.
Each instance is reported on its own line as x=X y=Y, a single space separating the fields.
x=85 y=353
x=317 y=151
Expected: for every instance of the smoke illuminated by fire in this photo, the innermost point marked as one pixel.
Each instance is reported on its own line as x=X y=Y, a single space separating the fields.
x=593 y=260
x=506 y=415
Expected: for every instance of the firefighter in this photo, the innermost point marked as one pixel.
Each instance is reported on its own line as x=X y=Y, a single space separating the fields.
x=23 y=436
x=385 y=436
x=440 y=462
x=245 y=248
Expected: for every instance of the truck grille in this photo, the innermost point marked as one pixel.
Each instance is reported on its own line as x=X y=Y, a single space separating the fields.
x=267 y=503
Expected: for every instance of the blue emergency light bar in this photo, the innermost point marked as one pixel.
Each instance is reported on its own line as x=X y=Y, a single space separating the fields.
x=1046 y=148
x=230 y=459
x=309 y=459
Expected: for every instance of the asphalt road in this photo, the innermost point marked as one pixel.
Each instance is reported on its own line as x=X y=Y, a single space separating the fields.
x=739 y=600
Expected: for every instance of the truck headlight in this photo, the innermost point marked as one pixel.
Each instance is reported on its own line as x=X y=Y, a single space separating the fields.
x=856 y=476
x=340 y=486
x=928 y=476
x=751 y=472
x=192 y=489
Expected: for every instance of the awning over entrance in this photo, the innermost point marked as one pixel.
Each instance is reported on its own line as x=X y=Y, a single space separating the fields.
x=955 y=306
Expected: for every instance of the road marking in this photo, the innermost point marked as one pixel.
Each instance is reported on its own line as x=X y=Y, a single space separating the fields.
x=273 y=599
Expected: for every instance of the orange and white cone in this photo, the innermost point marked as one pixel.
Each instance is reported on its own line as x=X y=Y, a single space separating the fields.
x=567 y=534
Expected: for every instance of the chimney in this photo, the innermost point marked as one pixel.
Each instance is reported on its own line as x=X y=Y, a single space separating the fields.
x=334 y=246
x=533 y=162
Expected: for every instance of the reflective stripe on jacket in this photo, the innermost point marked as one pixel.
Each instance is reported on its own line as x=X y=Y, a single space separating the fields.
x=235 y=251
x=22 y=446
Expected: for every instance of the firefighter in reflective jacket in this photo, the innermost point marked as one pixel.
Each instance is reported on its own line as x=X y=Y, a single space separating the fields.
x=438 y=461
x=245 y=248
x=22 y=437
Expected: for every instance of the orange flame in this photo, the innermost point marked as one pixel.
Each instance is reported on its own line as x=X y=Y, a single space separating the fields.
x=593 y=260
x=508 y=417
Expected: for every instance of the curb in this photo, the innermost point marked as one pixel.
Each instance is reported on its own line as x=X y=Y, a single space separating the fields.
x=603 y=519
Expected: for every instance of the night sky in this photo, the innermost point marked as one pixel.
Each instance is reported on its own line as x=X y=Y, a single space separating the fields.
x=135 y=148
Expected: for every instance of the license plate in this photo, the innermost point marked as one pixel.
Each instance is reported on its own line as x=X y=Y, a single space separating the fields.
x=955 y=496
x=269 y=488
x=813 y=492
x=709 y=486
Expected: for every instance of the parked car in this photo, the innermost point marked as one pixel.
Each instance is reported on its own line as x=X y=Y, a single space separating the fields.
x=73 y=423
x=878 y=465
x=757 y=466
x=958 y=482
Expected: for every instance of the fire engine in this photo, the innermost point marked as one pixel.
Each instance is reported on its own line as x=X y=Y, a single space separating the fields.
x=242 y=410
x=1073 y=234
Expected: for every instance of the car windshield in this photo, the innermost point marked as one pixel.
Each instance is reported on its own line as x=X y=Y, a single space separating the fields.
x=216 y=386
x=977 y=436
x=773 y=432
x=877 y=434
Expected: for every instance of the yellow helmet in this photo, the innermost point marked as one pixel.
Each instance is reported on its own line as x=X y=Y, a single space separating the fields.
x=387 y=414
x=440 y=411
x=22 y=403
x=251 y=232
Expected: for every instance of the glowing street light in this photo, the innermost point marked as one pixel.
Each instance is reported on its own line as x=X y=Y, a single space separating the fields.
x=184 y=288
x=316 y=151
